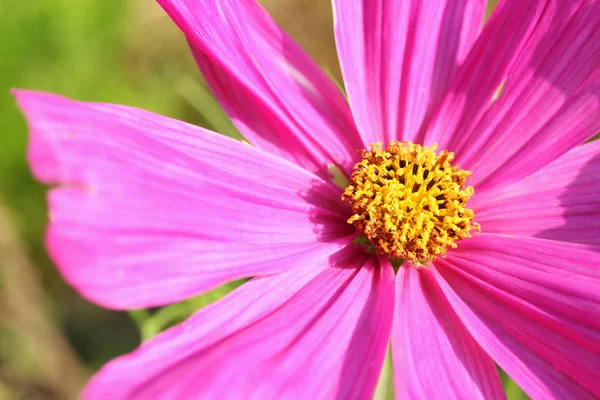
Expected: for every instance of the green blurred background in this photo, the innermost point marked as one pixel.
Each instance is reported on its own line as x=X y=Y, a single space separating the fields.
x=118 y=51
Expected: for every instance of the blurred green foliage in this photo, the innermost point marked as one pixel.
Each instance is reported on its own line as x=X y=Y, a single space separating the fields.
x=97 y=50
x=152 y=322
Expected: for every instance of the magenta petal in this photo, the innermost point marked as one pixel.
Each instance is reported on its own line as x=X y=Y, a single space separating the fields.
x=534 y=306
x=320 y=332
x=434 y=355
x=548 y=55
x=274 y=93
x=560 y=202
x=397 y=58
x=477 y=79
x=150 y=210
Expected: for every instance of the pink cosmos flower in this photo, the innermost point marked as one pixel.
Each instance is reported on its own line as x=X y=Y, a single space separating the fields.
x=149 y=211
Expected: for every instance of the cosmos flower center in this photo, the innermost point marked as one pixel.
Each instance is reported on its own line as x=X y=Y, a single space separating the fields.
x=409 y=202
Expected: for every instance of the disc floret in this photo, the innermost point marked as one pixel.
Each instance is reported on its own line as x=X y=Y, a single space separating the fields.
x=409 y=202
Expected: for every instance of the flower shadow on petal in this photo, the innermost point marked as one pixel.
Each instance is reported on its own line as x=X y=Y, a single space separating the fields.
x=328 y=215
x=580 y=224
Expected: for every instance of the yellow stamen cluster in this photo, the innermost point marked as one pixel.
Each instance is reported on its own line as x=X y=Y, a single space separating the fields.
x=409 y=202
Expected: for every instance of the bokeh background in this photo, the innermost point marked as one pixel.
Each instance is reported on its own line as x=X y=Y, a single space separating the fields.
x=118 y=51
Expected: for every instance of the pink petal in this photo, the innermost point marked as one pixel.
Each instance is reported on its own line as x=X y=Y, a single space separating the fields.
x=560 y=202
x=320 y=332
x=150 y=210
x=434 y=355
x=534 y=306
x=548 y=55
x=275 y=94
x=397 y=58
